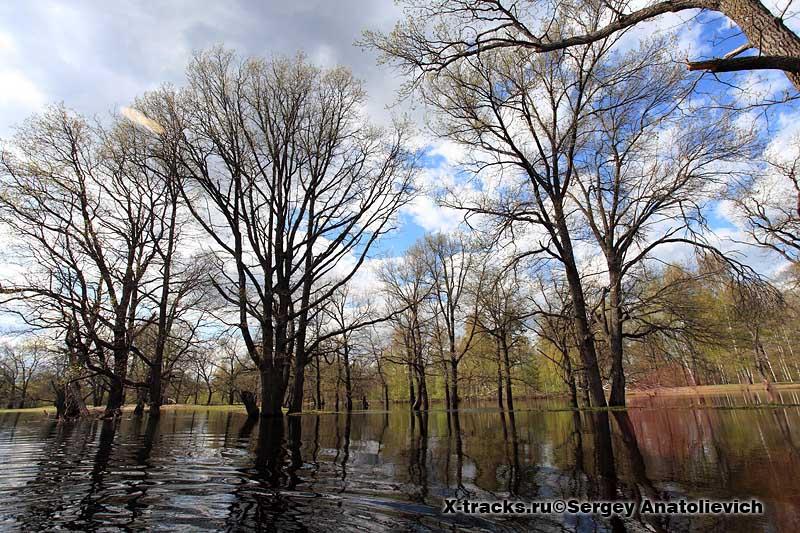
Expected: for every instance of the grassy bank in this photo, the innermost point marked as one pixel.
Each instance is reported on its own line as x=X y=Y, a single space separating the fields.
x=709 y=390
x=703 y=390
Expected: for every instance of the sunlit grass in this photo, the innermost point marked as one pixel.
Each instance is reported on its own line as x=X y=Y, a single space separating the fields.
x=28 y=410
x=699 y=391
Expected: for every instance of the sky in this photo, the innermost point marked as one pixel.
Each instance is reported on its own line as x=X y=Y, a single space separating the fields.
x=96 y=57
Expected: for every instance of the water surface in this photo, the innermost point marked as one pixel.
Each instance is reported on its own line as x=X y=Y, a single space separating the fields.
x=215 y=470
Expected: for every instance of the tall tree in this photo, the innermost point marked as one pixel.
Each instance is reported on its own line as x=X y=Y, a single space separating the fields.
x=84 y=216
x=523 y=120
x=295 y=188
x=407 y=288
x=450 y=262
x=636 y=192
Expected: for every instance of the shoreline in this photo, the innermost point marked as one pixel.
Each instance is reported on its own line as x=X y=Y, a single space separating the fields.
x=700 y=390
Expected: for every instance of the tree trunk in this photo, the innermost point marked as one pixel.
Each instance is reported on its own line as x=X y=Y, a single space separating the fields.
x=156 y=394
x=583 y=331
x=23 y=395
x=454 y=383
x=272 y=390
x=97 y=392
x=617 y=397
x=296 y=403
x=250 y=404
x=115 y=398
x=116 y=392
x=348 y=383
x=320 y=401
x=411 y=396
x=446 y=386
x=765 y=31
x=141 y=399
x=507 y=367
x=69 y=402
x=573 y=392
x=422 y=392
x=499 y=376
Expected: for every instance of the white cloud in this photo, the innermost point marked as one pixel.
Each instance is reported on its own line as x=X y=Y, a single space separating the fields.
x=430 y=216
x=19 y=91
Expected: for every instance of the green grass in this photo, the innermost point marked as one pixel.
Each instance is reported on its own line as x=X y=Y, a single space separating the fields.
x=29 y=410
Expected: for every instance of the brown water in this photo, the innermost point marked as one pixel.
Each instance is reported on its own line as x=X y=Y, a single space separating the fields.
x=195 y=470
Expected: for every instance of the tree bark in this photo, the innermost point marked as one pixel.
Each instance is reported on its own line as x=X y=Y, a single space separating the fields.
x=320 y=401
x=507 y=368
x=617 y=397
x=454 y=400
x=499 y=376
x=411 y=396
x=765 y=31
x=348 y=383
x=582 y=329
x=273 y=388
x=296 y=403
x=250 y=404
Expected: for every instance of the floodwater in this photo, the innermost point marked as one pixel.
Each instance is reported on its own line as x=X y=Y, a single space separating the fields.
x=215 y=470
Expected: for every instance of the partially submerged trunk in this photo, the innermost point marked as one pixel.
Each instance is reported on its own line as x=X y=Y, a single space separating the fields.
x=250 y=403
x=507 y=373
x=69 y=402
x=116 y=392
x=348 y=382
x=586 y=345
x=617 y=397
x=273 y=388
x=454 y=400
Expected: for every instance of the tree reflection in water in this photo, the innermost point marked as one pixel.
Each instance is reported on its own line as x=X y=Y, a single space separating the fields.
x=392 y=470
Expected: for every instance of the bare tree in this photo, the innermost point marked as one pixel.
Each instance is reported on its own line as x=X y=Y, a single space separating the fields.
x=769 y=202
x=346 y=313
x=500 y=313
x=84 y=216
x=379 y=346
x=18 y=365
x=230 y=365
x=178 y=291
x=435 y=34
x=635 y=191
x=450 y=261
x=407 y=288
x=295 y=189
x=523 y=120
x=553 y=327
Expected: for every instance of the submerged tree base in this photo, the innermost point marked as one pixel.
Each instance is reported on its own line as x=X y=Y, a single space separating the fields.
x=250 y=404
x=69 y=404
